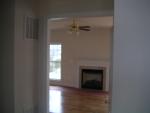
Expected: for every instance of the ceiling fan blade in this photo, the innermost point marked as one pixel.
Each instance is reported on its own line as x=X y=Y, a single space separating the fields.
x=84 y=29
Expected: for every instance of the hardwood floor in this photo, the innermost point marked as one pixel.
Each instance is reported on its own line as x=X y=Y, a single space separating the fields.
x=71 y=100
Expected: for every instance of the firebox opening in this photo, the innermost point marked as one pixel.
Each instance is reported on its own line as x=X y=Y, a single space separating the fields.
x=92 y=79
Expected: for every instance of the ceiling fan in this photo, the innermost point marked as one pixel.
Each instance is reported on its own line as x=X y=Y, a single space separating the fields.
x=75 y=27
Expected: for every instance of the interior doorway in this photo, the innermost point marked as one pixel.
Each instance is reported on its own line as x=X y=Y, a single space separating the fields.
x=85 y=43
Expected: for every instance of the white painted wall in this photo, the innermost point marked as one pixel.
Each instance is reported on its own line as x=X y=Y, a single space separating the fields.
x=131 y=55
x=25 y=60
x=60 y=8
x=91 y=46
x=18 y=59
x=6 y=56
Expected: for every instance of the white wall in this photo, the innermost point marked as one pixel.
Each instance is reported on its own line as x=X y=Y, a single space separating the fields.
x=57 y=8
x=25 y=60
x=18 y=59
x=131 y=57
x=6 y=57
x=93 y=46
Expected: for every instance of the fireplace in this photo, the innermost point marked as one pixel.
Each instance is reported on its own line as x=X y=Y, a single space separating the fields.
x=92 y=78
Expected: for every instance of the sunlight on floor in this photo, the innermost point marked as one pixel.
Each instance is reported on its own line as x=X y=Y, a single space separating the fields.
x=56 y=101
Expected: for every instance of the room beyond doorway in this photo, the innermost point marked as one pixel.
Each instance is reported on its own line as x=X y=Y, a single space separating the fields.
x=85 y=46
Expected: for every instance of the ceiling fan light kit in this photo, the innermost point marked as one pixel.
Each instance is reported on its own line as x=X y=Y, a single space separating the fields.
x=75 y=28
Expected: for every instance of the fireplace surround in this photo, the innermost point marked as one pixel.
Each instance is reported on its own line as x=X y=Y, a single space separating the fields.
x=93 y=64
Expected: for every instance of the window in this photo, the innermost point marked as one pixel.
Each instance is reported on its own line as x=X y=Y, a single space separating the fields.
x=55 y=62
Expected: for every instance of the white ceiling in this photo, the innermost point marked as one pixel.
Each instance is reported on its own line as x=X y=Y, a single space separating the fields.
x=94 y=22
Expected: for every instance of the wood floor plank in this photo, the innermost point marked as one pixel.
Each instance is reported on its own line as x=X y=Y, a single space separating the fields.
x=68 y=100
